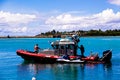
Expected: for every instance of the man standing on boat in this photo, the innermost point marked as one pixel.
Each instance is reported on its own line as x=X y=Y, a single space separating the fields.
x=82 y=50
x=36 y=48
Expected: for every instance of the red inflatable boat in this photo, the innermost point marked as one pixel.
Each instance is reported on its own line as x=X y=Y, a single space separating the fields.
x=37 y=57
x=64 y=50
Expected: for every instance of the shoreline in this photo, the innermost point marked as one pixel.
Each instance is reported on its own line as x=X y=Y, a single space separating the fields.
x=47 y=36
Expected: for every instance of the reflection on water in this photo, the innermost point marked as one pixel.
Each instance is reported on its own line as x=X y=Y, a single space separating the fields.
x=108 y=70
x=64 y=71
x=69 y=71
x=107 y=66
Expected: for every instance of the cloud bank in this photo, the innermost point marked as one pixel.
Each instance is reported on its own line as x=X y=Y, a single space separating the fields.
x=115 y=2
x=14 y=23
x=8 y=17
x=31 y=24
x=107 y=19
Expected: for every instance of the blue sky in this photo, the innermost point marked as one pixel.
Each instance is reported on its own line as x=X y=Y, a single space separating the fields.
x=31 y=17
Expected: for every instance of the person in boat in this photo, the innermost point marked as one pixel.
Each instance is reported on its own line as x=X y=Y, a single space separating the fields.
x=36 y=48
x=82 y=50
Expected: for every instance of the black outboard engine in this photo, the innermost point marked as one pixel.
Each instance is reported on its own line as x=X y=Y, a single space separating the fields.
x=107 y=55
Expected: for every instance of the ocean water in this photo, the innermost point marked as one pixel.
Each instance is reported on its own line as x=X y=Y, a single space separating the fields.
x=13 y=67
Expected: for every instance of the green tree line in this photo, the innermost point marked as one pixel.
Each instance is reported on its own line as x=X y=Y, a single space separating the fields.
x=99 y=32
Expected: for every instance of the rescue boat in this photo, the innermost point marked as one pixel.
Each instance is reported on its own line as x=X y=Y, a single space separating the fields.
x=64 y=51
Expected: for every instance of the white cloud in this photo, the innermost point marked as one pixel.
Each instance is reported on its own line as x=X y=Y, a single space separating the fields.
x=7 y=17
x=116 y=2
x=104 y=20
x=26 y=24
x=15 y=23
x=19 y=29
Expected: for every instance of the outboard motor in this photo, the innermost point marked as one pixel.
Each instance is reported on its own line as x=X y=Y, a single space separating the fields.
x=107 y=55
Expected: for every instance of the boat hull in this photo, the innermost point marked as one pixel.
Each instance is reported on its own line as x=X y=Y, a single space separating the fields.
x=33 y=57
x=50 y=58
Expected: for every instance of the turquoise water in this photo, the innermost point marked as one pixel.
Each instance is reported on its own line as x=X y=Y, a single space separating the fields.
x=13 y=67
